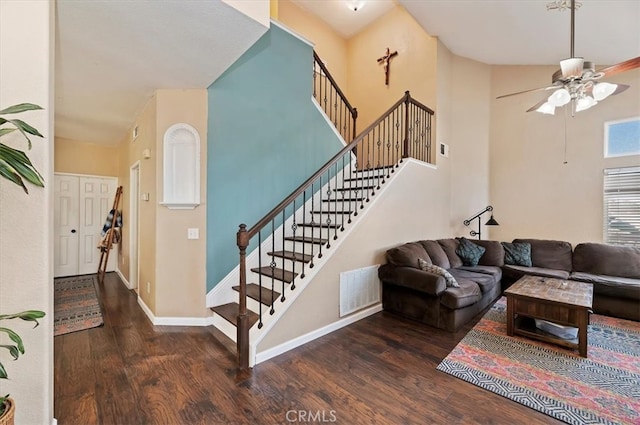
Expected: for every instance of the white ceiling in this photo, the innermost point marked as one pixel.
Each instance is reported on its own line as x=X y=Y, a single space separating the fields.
x=112 y=55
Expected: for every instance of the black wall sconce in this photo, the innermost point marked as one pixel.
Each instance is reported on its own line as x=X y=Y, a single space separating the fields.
x=490 y=222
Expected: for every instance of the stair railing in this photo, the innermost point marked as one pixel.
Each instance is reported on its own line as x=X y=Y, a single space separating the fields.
x=333 y=101
x=404 y=130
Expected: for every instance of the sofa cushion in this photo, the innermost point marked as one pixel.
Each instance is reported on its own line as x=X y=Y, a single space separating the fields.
x=610 y=286
x=485 y=281
x=493 y=254
x=535 y=271
x=469 y=252
x=468 y=293
x=517 y=254
x=437 y=270
x=549 y=254
x=609 y=260
x=436 y=253
x=496 y=272
x=411 y=278
x=449 y=246
x=407 y=255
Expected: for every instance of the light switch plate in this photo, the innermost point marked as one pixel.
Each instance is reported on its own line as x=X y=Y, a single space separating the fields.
x=193 y=233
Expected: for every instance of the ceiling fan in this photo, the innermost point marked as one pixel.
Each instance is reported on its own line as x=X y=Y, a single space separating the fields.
x=576 y=81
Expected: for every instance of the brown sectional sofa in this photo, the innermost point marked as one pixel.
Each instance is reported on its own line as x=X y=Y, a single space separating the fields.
x=424 y=296
x=420 y=295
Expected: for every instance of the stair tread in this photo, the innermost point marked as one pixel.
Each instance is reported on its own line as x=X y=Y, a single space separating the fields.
x=345 y=200
x=230 y=313
x=253 y=291
x=345 y=189
x=364 y=178
x=280 y=274
x=318 y=241
x=291 y=255
x=323 y=225
x=330 y=212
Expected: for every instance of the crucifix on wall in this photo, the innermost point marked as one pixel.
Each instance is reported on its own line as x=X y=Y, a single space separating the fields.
x=386 y=61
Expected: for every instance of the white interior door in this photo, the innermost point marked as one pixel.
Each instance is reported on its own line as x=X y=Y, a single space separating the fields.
x=96 y=200
x=81 y=207
x=65 y=217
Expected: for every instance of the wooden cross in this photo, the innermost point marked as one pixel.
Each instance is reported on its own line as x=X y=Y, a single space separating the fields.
x=386 y=61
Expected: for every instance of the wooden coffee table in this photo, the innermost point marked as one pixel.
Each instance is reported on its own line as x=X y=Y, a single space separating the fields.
x=564 y=302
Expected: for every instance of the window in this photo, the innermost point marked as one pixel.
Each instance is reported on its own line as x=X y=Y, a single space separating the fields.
x=622 y=206
x=622 y=137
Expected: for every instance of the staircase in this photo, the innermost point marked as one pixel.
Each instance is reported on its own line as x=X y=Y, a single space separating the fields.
x=288 y=241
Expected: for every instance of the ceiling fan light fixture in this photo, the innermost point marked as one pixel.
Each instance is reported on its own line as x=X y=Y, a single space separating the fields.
x=572 y=67
x=585 y=103
x=547 y=108
x=559 y=97
x=603 y=90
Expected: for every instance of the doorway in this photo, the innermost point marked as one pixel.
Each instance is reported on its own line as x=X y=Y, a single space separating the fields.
x=81 y=204
x=134 y=197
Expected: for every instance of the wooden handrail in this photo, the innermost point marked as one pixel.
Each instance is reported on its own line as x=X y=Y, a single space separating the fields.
x=245 y=235
x=304 y=186
x=326 y=72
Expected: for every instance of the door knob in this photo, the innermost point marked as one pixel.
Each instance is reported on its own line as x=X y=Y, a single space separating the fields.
x=73 y=230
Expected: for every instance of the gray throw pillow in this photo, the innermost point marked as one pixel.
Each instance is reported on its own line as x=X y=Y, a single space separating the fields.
x=469 y=252
x=431 y=268
x=517 y=254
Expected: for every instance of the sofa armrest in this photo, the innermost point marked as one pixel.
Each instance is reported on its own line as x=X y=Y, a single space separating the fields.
x=412 y=278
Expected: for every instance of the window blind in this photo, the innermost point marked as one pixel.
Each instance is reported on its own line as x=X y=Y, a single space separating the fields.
x=622 y=206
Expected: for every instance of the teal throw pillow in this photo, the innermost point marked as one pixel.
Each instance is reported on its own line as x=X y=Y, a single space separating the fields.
x=469 y=252
x=432 y=268
x=517 y=254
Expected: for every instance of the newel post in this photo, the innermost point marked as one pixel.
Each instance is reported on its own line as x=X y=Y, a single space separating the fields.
x=405 y=144
x=242 y=337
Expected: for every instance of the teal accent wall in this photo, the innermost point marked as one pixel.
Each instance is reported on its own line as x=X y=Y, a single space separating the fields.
x=265 y=138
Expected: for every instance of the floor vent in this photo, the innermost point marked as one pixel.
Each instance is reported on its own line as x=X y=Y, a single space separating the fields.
x=359 y=289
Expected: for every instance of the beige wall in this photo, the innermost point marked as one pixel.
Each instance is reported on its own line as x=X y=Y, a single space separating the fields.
x=85 y=158
x=469 y=142
x=414 y=68
x=174 y=267
x=328 y=44
x=535 y=194
x=26 y=221
x=424 y=215
x=181 y=263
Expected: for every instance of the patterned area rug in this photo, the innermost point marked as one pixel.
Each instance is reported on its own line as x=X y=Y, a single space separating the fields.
x=76 y=305
x=602 y=389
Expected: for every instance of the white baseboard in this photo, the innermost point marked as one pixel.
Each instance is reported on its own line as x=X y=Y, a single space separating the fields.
x=303 y=339
x=54 y=421
x=123 y=279
x=173 y=321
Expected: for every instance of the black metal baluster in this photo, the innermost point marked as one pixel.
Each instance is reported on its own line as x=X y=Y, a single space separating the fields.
x=260 y=280
x=335 y=203
x=320 y=220
x=294 y=227
x=282 y=298
x=343 y=192
x=304 y=217
x=273 y=264
x=328 y=221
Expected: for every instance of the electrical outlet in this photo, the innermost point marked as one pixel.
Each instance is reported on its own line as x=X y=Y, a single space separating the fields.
x=193 y=233
x=148 y=287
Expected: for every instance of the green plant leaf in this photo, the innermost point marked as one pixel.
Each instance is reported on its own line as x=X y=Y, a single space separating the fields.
x=3 y=372
x=17 y=162
x=4 y=131
x=13 y=350
x=15 y=338
x=21 y=107
x=11 y=175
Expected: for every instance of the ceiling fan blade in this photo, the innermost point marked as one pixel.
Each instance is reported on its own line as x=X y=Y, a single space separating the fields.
x=627 y=65
x=528 y=91
x=537 y=105
x=572 y=67
x=620 y=89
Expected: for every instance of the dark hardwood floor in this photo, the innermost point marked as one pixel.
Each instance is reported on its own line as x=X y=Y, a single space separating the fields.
x=380 y=370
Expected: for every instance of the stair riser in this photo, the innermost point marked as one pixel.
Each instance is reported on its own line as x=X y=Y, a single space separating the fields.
x=322 y=233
